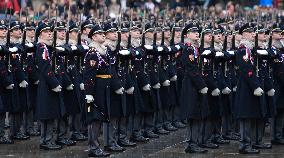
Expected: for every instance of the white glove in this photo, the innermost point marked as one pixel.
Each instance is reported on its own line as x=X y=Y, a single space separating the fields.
x=231 y=52
x=124 y=52
x=215 y=92
x=13 y=49
x=57 y=89
x=130 y=90
x=119 y=91
x=177 y=47
x=235 y=89
x=74 y=47
x=82 y=86
x=29 y=44
x=89 y=98
x=149 y=47
x=157 y=86
x=206 y=52
x=258 y=92
x=271 y=92
x=70 y=87
x=36 y=82
x=137 y=52
x=60 y=49
x=160 y=49
x=147 y=87
x=170 y=49
x=166 y=83
x=226 y=90
x=174 y=78
x=262 y=52
x=204 y=90
x=11 y=86
x=23 y=84
x=219 y=54
x=85 y=47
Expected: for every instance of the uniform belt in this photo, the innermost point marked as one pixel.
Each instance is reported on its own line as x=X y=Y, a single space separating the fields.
x=103 y=76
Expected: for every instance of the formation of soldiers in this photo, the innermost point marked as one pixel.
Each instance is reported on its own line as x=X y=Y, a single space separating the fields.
x=142 y=77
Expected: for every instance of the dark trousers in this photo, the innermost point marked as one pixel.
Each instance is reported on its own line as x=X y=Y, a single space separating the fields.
x=247 y=131
x=277 y=124
x=194 y=131
x=93 y=135
x=110 y=132
x=2 y=124
x=206 y=131
x=62 y=128
x=46 y=131
x=28 y=120
x=15 y=120
x=75 y=124
x=148 y=121
x=135 y=124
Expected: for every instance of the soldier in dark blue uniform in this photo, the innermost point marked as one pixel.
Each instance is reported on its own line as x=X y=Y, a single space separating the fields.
x=117 y=90
x=278 y=70
x=207 y=58
x=146 y=80
x=32 y=73
x=48 y=107
x=249 y=92
x=193 y=88
x=141 y=86
x=6 y=83
x=177 y=29
x=74 y=103
x=264 y=57
x=19 y=97
x=124 y=68
x=62 y=51
x=97 y=75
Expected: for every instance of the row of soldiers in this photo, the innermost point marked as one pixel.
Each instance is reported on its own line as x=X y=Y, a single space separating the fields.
x=139 y=80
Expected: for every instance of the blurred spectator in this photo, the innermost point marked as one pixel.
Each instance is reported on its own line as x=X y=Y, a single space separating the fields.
x=150 y=6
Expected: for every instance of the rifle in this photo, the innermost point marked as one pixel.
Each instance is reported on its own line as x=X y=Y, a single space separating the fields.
x=67 y=37
x=143 y=28
x=256 y=46
x=130 y=28
x=54 y=64
x=234 y=35
x=8 y=42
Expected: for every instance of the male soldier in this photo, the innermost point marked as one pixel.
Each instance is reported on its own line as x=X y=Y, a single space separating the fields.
x=141 y=85
x=278 y=70
x=207 y=58
x=20 y=102
x=97 y=75
x=264 y=57
x=85 y=29
x=117 y=105
x=32 y=73
x=247 y=103
x=193 y=88
x=77 y=52
x=221 y=107
x=61 y=53
x=6 y=82
x=124 y=68
x=151 y=98
x=48 y=107
x=177 y=120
